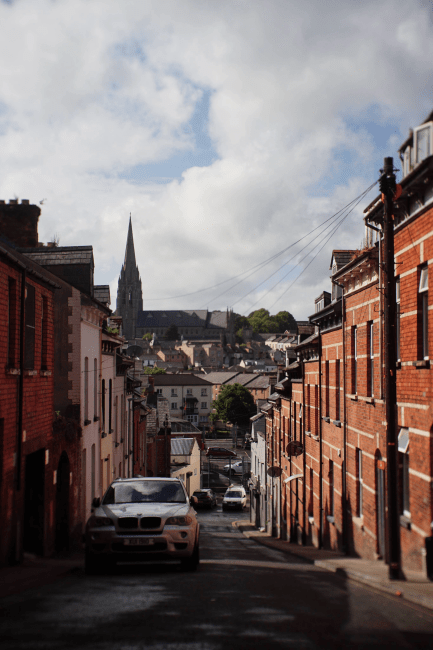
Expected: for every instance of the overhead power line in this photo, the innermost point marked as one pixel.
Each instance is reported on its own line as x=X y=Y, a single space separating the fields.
x=248 y=272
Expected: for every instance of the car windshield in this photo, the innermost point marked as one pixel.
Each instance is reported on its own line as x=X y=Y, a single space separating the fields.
x=145 y=492
x=233 y=493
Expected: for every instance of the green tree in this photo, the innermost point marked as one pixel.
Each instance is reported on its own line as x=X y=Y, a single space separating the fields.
x=148 y=370
x=147 y=336
x=235 y=404
x=171 y=333
x=285 y=321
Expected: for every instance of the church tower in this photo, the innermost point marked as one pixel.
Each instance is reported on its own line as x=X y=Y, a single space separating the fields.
x=129 y=293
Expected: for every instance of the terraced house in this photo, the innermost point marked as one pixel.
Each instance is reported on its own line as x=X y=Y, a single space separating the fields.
x=326 y=421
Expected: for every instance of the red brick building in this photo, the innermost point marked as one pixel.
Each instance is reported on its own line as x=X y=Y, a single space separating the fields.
x=326 y=422
x=27 y=467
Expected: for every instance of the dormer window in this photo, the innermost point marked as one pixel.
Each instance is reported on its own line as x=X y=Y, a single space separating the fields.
x=423 y=142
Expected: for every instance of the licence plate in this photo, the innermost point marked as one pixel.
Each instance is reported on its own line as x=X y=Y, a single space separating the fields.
x=139 y=542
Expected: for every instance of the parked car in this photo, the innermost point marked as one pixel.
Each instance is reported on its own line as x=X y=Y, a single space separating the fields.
x=142 y=519
x=205 y=498
x=220 y=451
x=235 y=468
x=235 y=498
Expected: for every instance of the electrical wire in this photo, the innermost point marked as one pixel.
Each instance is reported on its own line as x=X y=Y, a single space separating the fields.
x=258 y=266
x=320 y=249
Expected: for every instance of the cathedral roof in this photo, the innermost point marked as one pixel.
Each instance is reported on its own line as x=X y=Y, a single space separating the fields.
x=179 y=317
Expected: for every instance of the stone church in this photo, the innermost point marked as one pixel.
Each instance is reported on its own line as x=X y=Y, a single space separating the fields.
x=190 y=323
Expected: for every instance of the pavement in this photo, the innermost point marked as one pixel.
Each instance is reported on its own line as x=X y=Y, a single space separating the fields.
x=416 y=588
x=37 y=571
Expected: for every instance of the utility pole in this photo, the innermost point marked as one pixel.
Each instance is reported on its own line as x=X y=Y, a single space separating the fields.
x=388 y=188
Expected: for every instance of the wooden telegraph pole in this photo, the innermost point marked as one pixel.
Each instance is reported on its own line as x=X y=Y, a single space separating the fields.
x=388 y=188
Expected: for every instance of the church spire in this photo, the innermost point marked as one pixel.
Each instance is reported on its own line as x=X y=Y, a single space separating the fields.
x=129 y=292
x=130 y=250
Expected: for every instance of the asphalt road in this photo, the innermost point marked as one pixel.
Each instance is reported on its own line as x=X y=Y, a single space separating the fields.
x=244 y=595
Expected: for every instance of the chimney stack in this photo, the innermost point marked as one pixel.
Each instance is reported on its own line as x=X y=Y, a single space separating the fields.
x=19 y=222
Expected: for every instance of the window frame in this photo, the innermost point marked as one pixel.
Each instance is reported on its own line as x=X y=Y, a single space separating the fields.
x=423 y=307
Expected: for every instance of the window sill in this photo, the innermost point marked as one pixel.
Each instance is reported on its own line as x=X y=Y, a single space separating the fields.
x=337 y=423
x=111 y=431
x=86 y=422
x=95 y=418
x=315 y=437
x=331 y=519
x=30 y=373
x=13 y=371
x=405 y=522
x=398 y=365
x=46 y=373
x=103 y=434
x=359 y=522
x=353 y=397
x=326 y=418
x=308 y=433
x=367 y=400
x=424 y=363
x=311 y=521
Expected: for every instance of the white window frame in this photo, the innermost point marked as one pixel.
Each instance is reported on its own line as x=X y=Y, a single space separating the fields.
x=360 y=483
x=423 y=289
x=174 y=392
x=403 y=448
x=423 y=128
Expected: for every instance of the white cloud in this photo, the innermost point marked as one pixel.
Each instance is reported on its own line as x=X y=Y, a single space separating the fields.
x=90 y=90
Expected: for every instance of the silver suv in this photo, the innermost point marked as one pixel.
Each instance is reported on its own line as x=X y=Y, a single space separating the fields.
x=142 y=518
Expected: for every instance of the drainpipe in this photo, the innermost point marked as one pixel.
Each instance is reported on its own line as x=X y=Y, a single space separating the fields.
x=21 y=380
x=320 y=444
x=302 y=436
x=345 y=542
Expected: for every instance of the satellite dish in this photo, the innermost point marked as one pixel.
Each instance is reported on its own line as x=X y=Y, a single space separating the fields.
x=295 y=448
x=275 y=472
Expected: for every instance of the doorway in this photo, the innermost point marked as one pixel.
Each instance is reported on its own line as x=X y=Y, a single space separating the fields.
x=62 y=504
x=33 y=530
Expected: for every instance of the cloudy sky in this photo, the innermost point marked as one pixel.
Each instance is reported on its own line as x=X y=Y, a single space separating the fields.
x=229 y=129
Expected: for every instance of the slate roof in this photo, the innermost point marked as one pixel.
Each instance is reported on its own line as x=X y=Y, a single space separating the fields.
x=181 y=446
x=217 y=319
x=179 y=380
x=260 y=381
x=220 y=377
x=60 y=255
x=102 y=293
x=178 y=317
x=342 y=258
x=29 y=265
x=242 y=379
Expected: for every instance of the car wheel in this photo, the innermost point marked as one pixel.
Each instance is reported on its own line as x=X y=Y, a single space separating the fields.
x=191 y=563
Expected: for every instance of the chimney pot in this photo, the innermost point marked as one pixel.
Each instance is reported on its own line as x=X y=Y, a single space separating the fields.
x=2 y=201
x=50 y=244
x=25 y=201
x=41 y=244
x=13 y=201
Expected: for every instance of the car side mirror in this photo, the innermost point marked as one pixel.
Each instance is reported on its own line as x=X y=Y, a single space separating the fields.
x=194 y=500
x=96 y=502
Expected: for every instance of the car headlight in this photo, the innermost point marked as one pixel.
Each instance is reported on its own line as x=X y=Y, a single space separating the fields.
x=179 y=521
x=100 y=522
